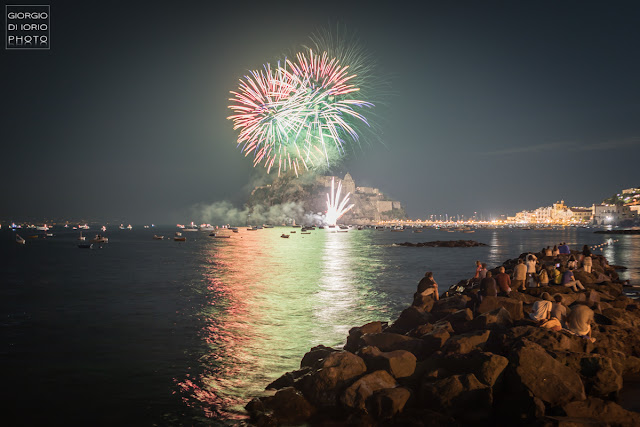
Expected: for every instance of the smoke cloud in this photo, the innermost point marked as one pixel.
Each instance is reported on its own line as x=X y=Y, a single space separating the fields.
x=224 y=212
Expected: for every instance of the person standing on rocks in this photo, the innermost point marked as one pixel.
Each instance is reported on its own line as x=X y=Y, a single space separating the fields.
x=585 y=252
x=580 y=319
x=519 y=275
x=569 y=280
x=428 y=286
x=504 y=281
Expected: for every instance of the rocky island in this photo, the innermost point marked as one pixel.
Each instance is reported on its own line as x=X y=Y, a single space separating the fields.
x=465 y=361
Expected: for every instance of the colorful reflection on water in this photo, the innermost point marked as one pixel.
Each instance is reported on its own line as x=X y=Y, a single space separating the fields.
x=271 y=300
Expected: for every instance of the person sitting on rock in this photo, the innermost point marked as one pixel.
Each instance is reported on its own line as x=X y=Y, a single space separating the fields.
x=570 y=281
x=541 y=313
x=428 y=286
x=543 y=278
x=555 y=251
x=488 y=286
x=555 y=276
x=559 y=310
x=564 y=249
x=548 y=251
x=572 y=264
x=585 y=252
x=587 y=263
x=519 y=275
x=504 y=282
x=580 y=319
x=531 y=270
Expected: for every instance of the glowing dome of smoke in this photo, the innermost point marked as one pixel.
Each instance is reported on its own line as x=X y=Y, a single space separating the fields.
x=336 y=207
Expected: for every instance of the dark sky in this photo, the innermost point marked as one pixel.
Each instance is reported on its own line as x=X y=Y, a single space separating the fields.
x=495 y=107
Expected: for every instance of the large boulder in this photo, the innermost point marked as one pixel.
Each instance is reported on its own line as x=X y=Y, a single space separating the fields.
x=315 y=356
x=399 y=363
x=409 y=319
x=513 y=306
x=289 y=406
x=461 y=396
x=288 y=379
x=532 y=369
x=353 y=340
x=423 y=302
x=495 y=319
x=386 y=341
x=455 y=302
x=599 y=375
x=334 y=373
x=464 y=343
x=388 y=402
x=435 y=339
x=355 y=396
x=604 y=411
x=487 y=367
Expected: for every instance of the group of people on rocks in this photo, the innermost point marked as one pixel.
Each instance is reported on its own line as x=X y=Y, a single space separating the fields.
x=552 y=313
x=549 y=312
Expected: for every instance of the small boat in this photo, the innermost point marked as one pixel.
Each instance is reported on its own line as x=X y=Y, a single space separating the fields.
x=305 y=232
x=222 y=236
x=156 y=237
x=99 y=239
x=49 y=234
x=178 y=234
x=85 y=245
x=20 y=240
x=285 y=236
x=103 y=229
x=35 y=236
x=235 y=230
x=129 y=227
x=292 y=232
x=180 y=239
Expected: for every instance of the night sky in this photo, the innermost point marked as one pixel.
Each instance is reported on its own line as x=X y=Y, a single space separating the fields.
x=492 y=107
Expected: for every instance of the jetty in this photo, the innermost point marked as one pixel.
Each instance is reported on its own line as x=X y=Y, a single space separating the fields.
x=465 y=360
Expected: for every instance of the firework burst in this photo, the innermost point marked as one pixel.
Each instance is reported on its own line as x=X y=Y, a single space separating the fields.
x=336 y=207
x=301 y=113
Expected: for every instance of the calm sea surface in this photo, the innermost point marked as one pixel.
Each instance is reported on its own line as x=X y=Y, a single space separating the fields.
x=144 y=332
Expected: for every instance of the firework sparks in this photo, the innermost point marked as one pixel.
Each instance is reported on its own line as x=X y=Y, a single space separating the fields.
x=336 y=207
x=300 y=114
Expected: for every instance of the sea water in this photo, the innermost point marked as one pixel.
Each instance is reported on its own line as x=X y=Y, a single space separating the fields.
x=157 y=332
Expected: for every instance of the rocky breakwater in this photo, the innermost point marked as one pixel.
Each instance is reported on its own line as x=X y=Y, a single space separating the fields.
x=445 y=244
x=462 y=361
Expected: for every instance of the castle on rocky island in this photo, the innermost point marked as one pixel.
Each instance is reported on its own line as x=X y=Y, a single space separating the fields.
x=370 y=204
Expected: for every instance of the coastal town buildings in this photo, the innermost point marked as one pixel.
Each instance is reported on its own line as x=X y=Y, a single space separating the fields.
x=612 y=214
